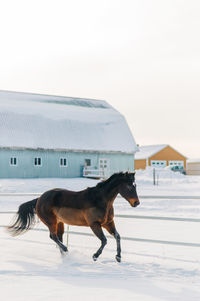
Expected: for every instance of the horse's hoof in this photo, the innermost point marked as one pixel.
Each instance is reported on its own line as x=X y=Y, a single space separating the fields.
x=94 y=258
x=65 y=249
x=118 y=258
x=63 y=253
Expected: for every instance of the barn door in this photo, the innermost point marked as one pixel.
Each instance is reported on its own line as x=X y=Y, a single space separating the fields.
x=104 y=166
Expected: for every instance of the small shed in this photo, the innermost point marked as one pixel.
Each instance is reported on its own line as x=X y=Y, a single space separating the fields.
x=161 y=155
x=193 y=167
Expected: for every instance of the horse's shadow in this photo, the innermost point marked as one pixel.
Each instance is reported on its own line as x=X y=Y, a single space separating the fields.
x=80 y=265
x=107 y=274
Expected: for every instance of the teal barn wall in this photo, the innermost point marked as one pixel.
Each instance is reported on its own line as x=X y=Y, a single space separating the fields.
x=50 y=166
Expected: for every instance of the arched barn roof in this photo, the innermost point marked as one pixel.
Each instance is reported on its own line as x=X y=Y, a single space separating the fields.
x=53 y=122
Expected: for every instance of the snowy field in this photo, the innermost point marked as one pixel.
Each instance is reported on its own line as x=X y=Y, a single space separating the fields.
x=32 y=268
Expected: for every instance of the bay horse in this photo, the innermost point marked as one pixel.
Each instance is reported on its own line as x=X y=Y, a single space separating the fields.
x=92 y=207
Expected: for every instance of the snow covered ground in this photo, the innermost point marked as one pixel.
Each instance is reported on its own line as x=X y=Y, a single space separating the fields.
x=32 y=269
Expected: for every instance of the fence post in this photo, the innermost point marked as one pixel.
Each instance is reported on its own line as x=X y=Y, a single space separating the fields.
x=157 y=177
x=154 y=176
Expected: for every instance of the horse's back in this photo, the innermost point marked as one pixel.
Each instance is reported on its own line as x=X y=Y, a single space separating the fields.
x=57 y=196
x=67 y=206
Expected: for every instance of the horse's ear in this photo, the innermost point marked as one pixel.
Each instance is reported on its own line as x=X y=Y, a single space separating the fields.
x=132 y=175
x=129 y=176
x=126 y=174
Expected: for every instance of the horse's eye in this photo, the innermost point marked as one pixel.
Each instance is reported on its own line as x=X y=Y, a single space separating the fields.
x=129 y=187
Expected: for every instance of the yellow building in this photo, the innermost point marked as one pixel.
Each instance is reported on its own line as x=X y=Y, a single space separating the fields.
x=161 y=155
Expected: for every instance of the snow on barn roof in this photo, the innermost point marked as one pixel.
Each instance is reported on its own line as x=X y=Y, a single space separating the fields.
x=54 y=122
x=147 y=151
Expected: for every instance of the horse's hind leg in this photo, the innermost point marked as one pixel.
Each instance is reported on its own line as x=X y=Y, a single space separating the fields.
x=60 y=232
x=50 y=220
x=112 y=230
x=96 y=228
x=54 y=237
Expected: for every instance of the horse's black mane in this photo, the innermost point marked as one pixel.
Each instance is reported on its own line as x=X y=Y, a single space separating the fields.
x=95 y=193
x=111 y=180
x=109 y=183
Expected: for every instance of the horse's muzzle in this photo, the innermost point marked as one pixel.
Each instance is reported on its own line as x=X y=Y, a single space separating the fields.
x=137 y=203
x=134 y=202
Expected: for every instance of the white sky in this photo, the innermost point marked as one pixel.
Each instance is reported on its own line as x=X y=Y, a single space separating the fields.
x=142 y=56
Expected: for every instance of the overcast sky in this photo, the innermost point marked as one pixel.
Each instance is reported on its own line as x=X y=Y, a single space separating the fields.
x=142 y=56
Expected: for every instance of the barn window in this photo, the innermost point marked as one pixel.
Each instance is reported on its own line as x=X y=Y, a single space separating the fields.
x=87 y=162
x=13 y=161
x=103 y=163
x=63 y=162
x=176 y=162
x=158 y=163
x=37 y=161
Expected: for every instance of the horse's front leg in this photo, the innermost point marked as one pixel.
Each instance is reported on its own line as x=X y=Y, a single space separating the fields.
x=96 y=228
x=112 y=230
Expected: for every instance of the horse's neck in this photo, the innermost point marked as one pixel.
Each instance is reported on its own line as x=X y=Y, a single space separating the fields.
x=112 y=194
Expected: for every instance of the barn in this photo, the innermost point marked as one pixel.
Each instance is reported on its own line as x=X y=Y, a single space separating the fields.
x=161 y=155
x=193 y=167
x=54 y=136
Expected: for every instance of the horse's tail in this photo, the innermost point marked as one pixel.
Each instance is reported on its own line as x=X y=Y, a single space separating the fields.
x=25 y=218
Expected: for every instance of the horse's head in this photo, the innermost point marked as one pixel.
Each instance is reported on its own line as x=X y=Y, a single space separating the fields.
x=127 y=189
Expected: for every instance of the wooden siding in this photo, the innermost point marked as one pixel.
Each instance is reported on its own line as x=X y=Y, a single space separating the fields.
x=140 y=164
x=51 y=163
x=168 y=154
